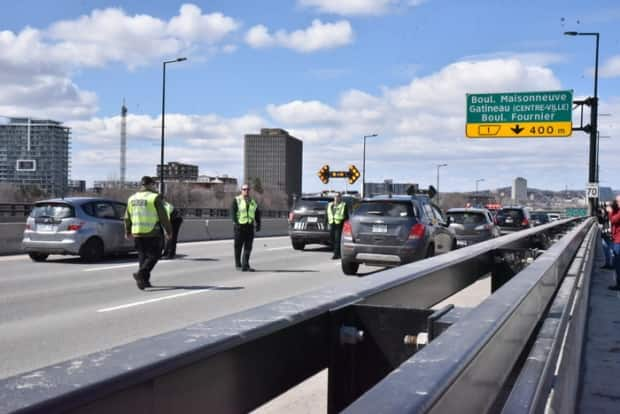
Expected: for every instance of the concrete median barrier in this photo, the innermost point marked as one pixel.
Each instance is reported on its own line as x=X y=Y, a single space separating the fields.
x=191 y=230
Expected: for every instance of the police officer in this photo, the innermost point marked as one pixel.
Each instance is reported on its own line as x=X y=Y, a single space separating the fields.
x=144 y=219
x=245 y=215
x=337 y=214
x=174 y=215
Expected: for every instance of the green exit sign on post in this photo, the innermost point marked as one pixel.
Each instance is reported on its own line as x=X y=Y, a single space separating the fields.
x=519 y=114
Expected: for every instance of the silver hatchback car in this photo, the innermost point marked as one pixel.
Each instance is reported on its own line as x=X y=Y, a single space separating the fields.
x=90 y=227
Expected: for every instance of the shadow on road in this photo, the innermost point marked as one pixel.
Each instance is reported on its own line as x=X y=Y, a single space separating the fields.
x=157 y=288
x=203 y=259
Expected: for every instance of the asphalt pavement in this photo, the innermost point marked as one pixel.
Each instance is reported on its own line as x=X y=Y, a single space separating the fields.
x=63 y=308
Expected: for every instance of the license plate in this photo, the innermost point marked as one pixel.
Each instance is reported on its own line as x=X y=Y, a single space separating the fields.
x=379 y=228
x=312 y=219
x=508 y=220
x=45 y=227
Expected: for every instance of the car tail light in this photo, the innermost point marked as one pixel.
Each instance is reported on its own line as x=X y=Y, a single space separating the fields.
x=74 y=227
x=347 y=231
x=291 y=217
x=417 y=231
x=525 y=222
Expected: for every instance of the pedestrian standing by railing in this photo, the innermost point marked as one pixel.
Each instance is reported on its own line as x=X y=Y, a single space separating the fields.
x=603 y=224
x=614 y=220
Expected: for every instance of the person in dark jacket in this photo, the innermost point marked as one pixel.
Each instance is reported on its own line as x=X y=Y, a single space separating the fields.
x=614 y=221
x=245 y=216
x=145 y=219
x=603 y=223
x=176 y=219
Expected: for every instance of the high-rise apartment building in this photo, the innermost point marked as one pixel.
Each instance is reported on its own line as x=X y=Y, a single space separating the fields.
x=35 y=153
x=274 y=157
x=519 y=189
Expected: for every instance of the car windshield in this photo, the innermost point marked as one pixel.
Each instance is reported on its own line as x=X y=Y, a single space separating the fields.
x=466 y=218
x=543 y=218
x=385 y=209
x=54 y=210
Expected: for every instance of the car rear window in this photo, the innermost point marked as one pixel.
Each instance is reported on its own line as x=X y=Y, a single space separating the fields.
x=543 y=218
x=53 y=210
x=515 y=214
x=312 y=204
x=385 y=209
x=466 y=218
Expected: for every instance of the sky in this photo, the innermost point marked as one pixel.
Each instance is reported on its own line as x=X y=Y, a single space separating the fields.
x=327 y=71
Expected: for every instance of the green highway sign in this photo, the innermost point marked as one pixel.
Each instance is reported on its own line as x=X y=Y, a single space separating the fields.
x=520 y=114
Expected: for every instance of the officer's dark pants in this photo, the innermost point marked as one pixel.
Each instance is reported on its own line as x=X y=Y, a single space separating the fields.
x=171 y=245
x=149 y=250
x=244 y=236
x=335 y=232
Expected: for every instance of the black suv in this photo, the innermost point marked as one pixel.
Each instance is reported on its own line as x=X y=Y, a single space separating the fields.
x=308 y=219
x=392 y=230
x=510 y=219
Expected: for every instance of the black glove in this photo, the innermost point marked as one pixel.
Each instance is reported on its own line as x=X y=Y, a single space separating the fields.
x=257 y=227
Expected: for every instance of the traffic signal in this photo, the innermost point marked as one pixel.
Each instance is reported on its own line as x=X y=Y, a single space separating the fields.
x=354 y=174
x=324 y=174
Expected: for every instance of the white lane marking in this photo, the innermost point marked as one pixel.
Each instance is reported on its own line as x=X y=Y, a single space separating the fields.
x=95 y=269
x=144 y=302
x=279 y=248
x=13 y=258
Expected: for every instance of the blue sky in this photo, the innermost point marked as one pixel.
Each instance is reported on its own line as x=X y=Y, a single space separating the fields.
x=327 y=71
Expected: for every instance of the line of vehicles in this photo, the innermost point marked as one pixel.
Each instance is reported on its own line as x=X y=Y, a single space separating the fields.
x=390 y=230
x=384 y=230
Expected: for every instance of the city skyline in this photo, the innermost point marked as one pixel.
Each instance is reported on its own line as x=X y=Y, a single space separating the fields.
x=328 y=73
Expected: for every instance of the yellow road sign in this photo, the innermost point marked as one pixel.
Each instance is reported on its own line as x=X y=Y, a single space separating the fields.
x=519 y=130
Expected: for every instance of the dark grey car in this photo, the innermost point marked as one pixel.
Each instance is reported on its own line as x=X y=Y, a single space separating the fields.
x=394 y=230
x=511 y=219
x=472 y=225
x=308 y=219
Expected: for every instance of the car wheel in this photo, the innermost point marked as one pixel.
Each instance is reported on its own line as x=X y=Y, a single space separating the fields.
x=92 y=250
x=431 y=250
x=38 y=257
x=349 y=268
x=298 y=245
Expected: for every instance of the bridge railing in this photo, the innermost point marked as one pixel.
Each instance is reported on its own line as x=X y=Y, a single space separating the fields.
x=367 y=331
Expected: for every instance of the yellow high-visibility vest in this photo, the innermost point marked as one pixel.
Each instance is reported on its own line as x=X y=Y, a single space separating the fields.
x=142 y=212
x=335 y=215
x=246 y=212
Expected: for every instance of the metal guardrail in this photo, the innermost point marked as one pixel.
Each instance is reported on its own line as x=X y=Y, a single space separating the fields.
x=355 y=327
x=23 y=209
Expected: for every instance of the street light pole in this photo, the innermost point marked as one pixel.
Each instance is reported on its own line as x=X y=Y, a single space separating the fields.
x=438 y=167
x=364 y=163
x=163 y=120
x=478 y=181
x=592 y=170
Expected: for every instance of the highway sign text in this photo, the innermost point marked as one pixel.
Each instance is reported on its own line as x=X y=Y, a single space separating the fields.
x=519 y=114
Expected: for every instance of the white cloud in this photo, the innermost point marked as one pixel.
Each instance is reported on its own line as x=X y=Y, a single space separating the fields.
x=318 y=36
x=192 y=25
x=36 y=65
x=611 y=68
x=358 y=7
x=298 y=112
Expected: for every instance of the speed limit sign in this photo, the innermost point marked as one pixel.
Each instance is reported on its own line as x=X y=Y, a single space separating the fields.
x=592 y=190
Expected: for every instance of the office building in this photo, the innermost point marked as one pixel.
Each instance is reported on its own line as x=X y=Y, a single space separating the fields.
x=176 y=171
x=275 y=158
x=76 y=186
x=519 y=189
x=35 y=153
